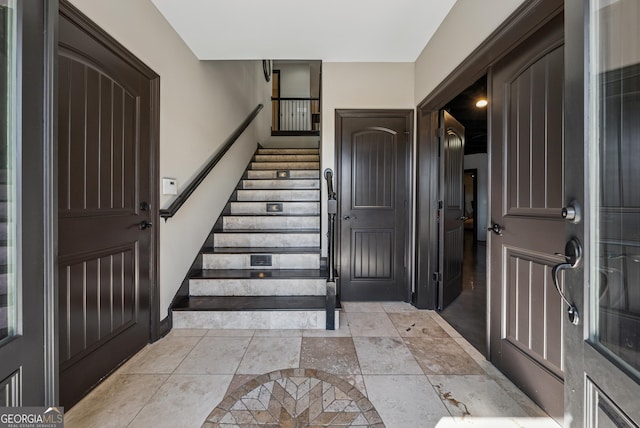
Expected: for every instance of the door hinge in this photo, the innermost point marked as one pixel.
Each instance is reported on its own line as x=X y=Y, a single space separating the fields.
x=437 y=276
x=440 y=205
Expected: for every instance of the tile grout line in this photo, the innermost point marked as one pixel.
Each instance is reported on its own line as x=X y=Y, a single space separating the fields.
x=151 y=397
x=435 y=389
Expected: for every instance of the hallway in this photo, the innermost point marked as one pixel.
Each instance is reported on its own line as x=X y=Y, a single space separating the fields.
x=468 y=313
x=413 y=367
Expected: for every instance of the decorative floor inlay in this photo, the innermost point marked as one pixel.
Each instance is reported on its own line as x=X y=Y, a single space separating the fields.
x=294 y=398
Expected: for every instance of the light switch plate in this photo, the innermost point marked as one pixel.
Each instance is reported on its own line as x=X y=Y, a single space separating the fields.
x=169 y=186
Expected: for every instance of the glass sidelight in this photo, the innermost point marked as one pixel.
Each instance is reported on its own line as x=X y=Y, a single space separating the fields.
x=614 y=157
x=8 y=138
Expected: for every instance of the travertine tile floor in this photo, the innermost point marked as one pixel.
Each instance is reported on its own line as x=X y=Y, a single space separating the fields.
x=413 y=367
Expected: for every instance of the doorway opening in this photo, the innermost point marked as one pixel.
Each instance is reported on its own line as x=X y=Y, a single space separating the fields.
x=296 y=86
x=468 y=312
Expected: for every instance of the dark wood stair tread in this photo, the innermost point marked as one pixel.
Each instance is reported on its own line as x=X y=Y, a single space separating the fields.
x=281 y=231
x=252 y=303
x=259 y=274
x=269 y=214
x=261 y=250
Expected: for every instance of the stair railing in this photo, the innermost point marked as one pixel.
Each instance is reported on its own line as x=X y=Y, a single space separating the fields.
x=332 y=210
x=167 y=213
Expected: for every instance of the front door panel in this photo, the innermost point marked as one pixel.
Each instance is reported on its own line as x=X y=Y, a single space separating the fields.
x=526 y=205
x=603 y=350
x=373 y=198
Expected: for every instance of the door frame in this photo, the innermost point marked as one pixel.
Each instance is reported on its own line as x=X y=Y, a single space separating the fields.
x=37 y=340
x=474 y=173
x=341 y=114
x=527 y=19
x=156 y=327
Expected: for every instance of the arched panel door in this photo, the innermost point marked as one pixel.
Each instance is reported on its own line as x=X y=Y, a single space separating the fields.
x=373 y=186
x=106 y=207
x=451 y=221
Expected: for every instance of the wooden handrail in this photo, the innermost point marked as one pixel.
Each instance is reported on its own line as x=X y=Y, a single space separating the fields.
x=167 y=213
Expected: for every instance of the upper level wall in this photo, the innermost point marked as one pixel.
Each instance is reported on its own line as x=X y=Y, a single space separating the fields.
x=466 y=26
x=201 y=103
x=295 y=80
x=362 y=85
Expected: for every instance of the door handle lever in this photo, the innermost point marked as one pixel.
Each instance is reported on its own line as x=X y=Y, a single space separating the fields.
x=144 y=225
x=573 y=259
x=496 y=228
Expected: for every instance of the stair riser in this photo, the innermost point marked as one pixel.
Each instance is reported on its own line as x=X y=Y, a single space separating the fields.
x=281 y=184
x=288 y=208
x=287 y=158
x=312 y=319
x=276 y=240
x=288 y=151
x=257 y=287
x=295 y=174
x=272 y=222
x=278 y=261
x=285 y=165
x=278 y=195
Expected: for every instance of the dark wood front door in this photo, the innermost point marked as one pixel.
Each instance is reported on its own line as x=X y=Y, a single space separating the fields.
x=373 y=167
x=602 y=382
x=527 y=197
x=105 y=191
x=451 y=222
x=27 y=298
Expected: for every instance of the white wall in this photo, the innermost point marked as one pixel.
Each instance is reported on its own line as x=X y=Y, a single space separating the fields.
x=201 y=103
x=480 y=161
x=359 y=86
x=466 y=26
x=295 y=80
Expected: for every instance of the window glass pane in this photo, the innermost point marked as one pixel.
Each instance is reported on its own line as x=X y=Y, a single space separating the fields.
x=8 y=138
x=615 y=166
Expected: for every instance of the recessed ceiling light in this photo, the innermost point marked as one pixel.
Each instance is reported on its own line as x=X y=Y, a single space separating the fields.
x=482 y=103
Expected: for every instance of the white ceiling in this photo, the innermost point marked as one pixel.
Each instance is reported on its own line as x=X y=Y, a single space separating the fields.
x=330 y=30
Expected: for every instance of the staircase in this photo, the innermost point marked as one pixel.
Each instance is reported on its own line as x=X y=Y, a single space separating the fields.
x=261 y=267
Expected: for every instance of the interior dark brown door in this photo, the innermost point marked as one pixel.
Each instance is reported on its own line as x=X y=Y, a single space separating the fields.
x=452 y=213
x=105 y=162
x=527 y=196
x=373 y=153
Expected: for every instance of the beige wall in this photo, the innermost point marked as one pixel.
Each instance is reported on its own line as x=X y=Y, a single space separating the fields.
x=361 y=85
x=201 y=103
x=466 y=26
x=618 y=35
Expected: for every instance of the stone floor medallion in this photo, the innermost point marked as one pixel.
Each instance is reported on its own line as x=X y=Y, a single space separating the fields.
x=295 y=398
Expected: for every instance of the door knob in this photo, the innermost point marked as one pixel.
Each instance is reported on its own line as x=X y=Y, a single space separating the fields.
x=573 y=259
x=349 y=217
x=144 y=224
x=463 y=218
x=496 y=228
